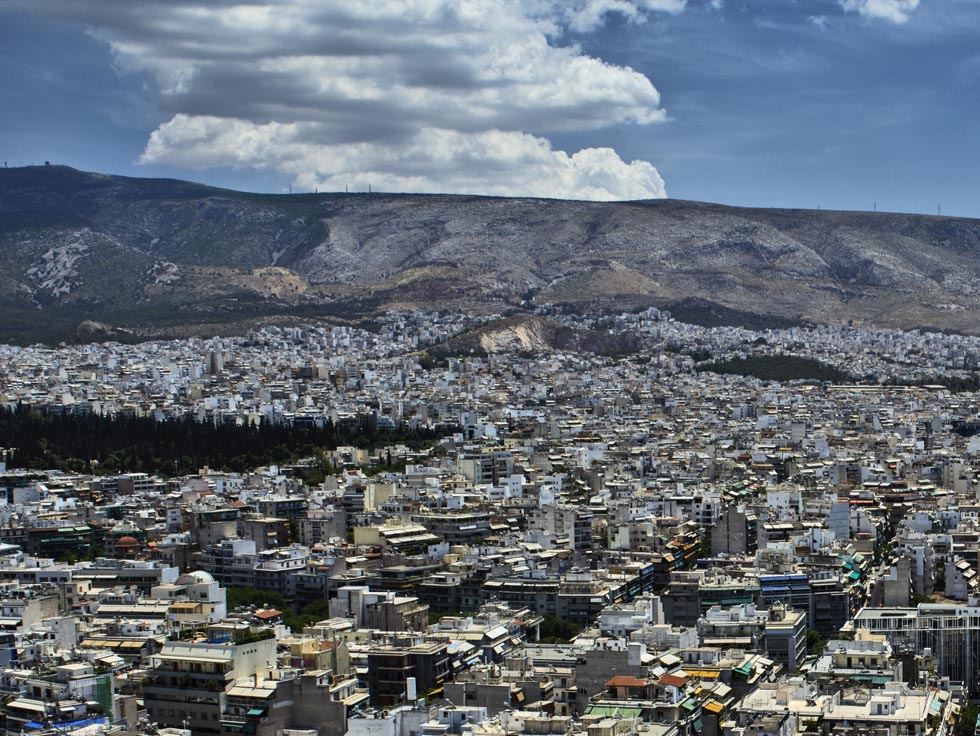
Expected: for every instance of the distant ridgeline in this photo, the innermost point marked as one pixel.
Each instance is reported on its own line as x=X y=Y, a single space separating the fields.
x=95 y=443
x=90 y=257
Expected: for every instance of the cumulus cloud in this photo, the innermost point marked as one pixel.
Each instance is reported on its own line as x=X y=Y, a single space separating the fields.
x=423 y=95
x=895 y=11
x=431 y=160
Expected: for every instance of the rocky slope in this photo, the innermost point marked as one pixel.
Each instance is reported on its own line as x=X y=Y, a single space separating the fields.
x=161 y=257
x=534 y=334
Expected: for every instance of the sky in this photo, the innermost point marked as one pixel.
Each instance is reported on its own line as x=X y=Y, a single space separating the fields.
x=839 y=104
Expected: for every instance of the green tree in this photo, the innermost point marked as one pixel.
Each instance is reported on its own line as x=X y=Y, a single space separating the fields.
x=556 y=630
x=815 y=642
x=966 y=724
x=111 y=444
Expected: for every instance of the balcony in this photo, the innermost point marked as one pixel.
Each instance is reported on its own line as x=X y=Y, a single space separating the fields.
x=181 y=694
x=169 y=673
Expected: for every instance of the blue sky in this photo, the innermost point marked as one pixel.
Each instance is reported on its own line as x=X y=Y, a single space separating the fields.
x=835 y=103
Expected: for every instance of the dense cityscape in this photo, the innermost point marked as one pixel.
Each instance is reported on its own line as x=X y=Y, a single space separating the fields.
x=493 y=536
x=489 y=368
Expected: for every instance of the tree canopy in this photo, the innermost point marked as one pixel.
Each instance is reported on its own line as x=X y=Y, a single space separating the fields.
x=109 y=444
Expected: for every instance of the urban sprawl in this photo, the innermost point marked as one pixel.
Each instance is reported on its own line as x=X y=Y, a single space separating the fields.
x=578 y=544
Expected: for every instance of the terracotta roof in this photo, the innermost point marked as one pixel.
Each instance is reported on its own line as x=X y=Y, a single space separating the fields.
x=626 y=681
x=674 y=680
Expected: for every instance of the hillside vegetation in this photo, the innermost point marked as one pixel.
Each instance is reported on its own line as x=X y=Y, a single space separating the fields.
x=778 y=368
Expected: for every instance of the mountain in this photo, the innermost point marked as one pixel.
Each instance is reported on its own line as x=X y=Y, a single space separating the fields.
x=143 y=258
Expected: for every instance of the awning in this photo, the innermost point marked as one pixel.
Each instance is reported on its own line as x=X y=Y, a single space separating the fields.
x=26 y=705
x=703 y=674
x=264 y=690
x=873 y=679
x=613 y=711
x=192 y=658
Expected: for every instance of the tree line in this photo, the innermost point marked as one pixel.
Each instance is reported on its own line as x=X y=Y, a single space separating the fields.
x=778 y=368
x=104 y=444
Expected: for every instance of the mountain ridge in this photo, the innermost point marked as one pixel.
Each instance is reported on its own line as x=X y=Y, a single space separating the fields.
x=164 y=257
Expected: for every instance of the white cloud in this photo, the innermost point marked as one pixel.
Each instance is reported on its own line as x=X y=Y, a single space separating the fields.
x=432 y=160
x=895 y=11
x=587 y=15
x=433 y=95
